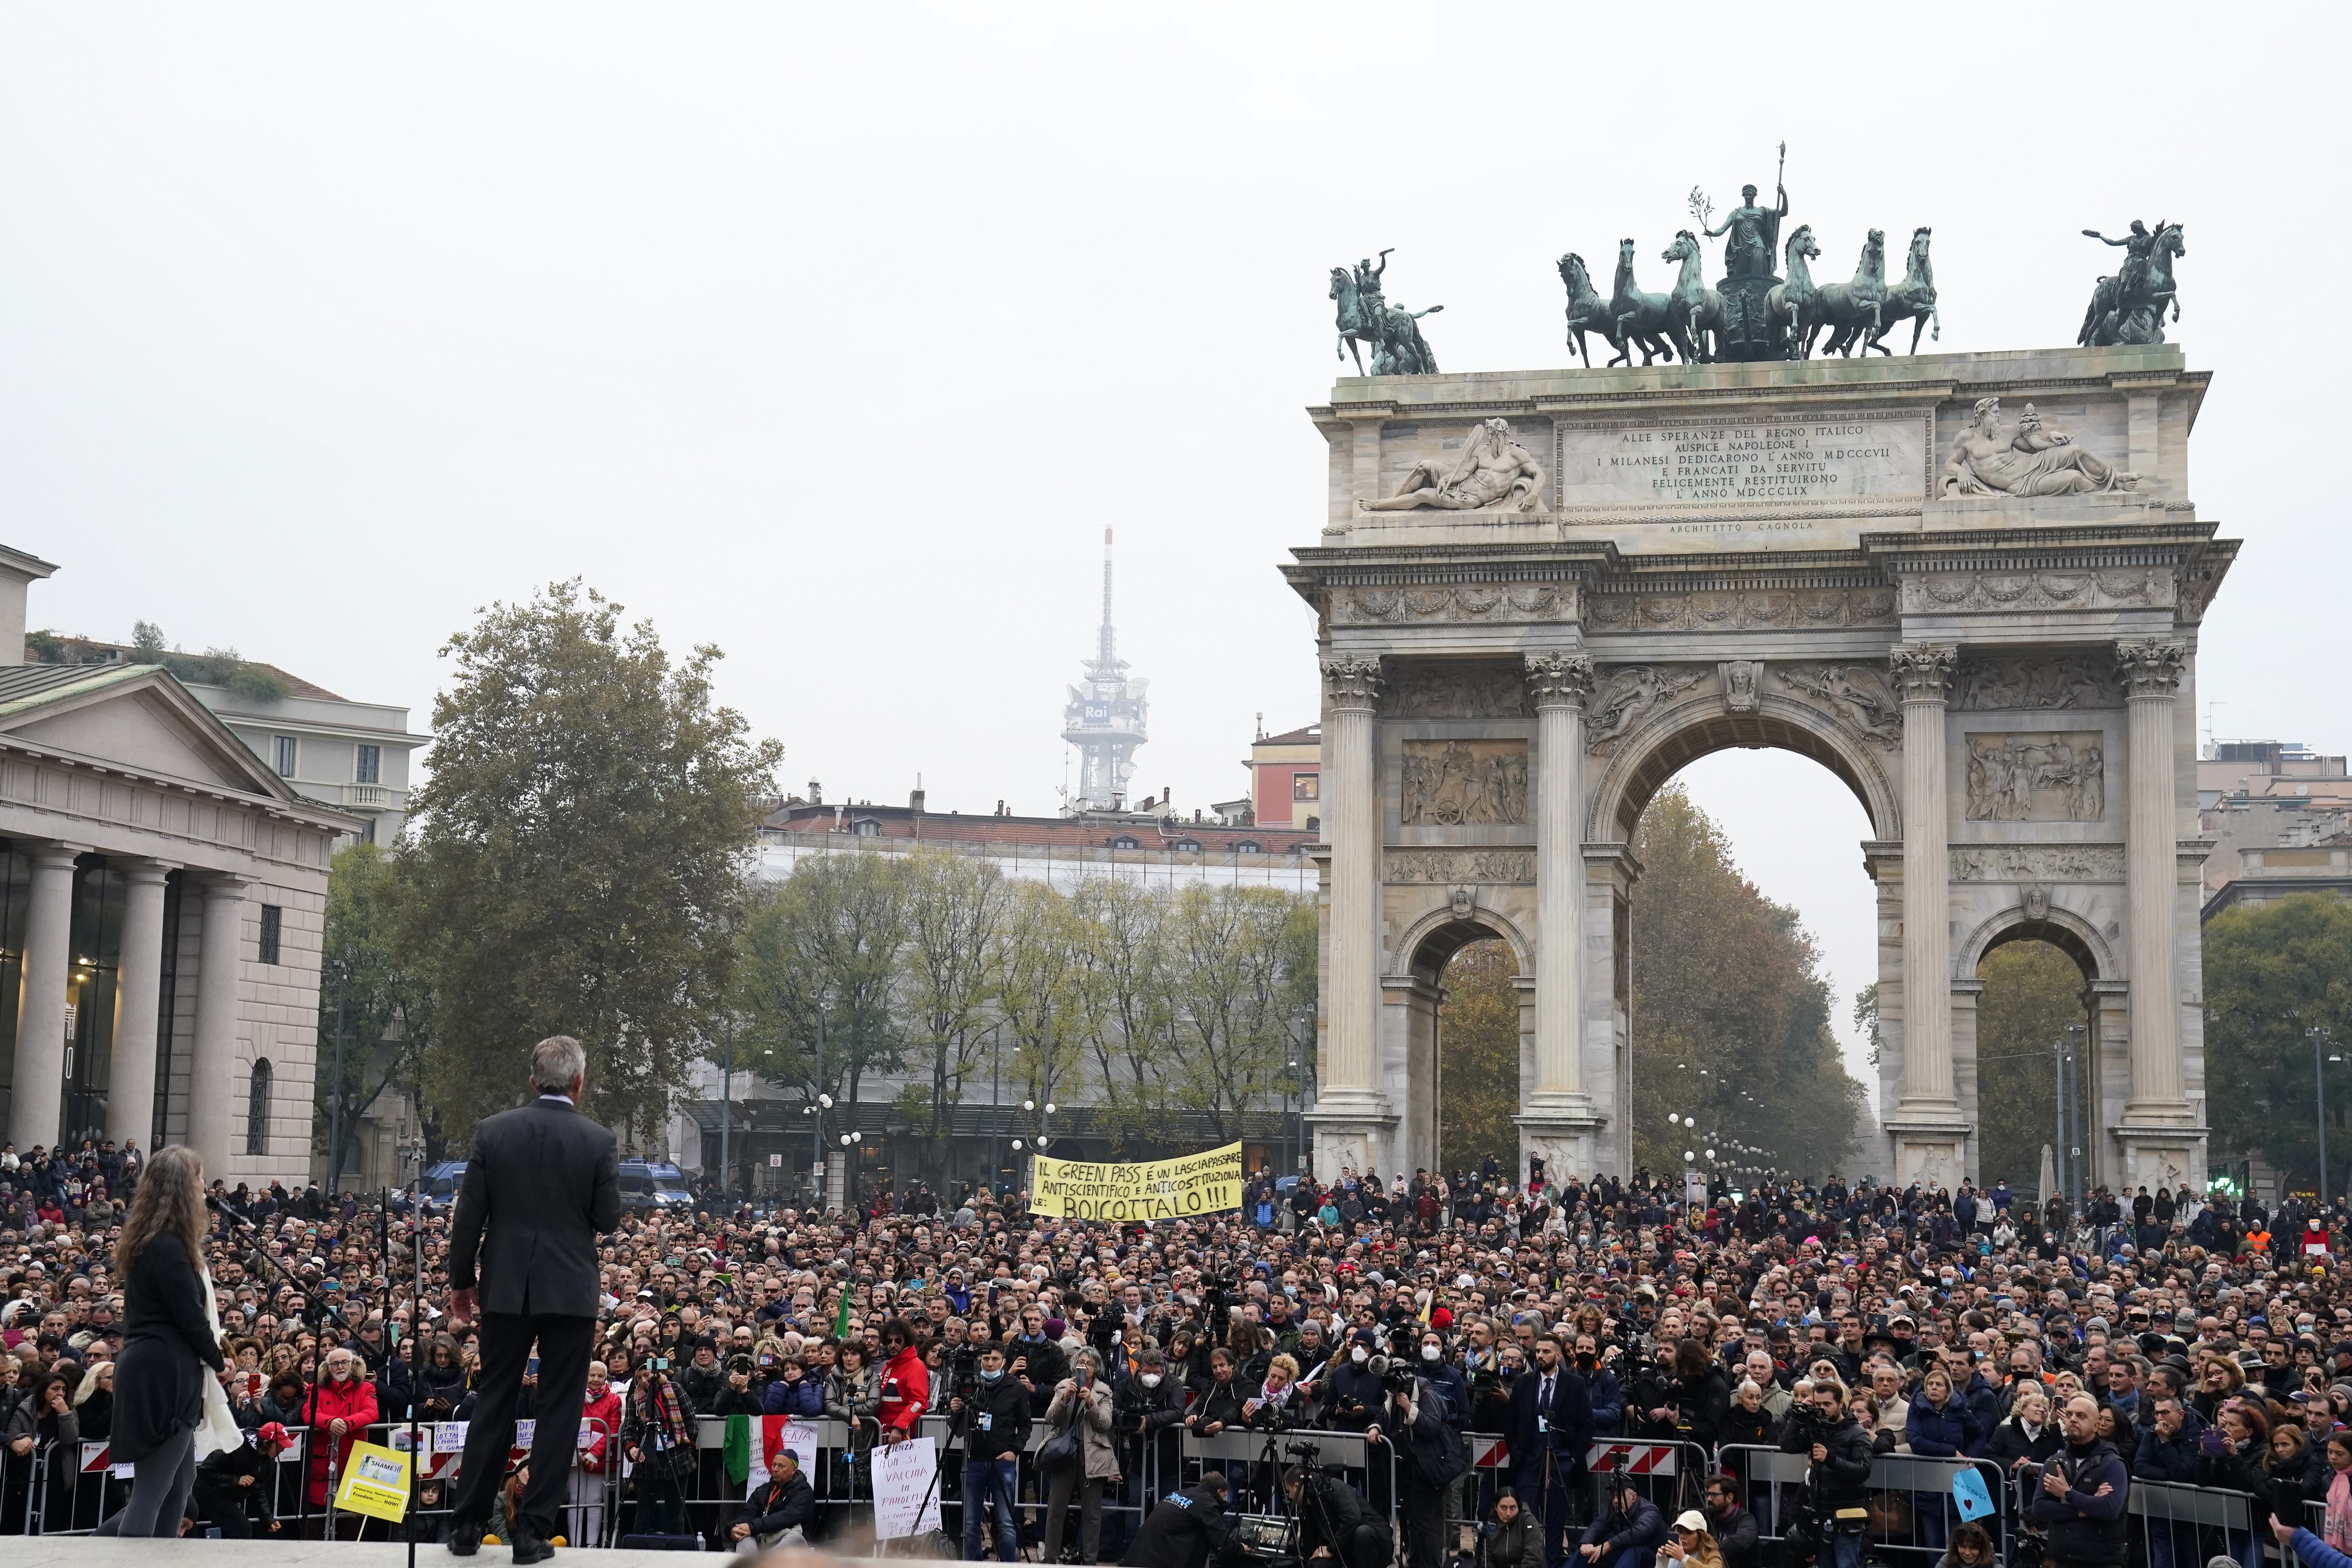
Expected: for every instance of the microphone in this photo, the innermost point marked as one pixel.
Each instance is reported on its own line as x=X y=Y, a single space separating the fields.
x=233 y=1217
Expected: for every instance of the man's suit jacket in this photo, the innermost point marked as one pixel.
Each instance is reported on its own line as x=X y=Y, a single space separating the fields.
x=542 y=1183
x=1570 y=1427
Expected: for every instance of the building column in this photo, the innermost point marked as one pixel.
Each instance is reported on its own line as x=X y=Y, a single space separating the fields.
x=2151 y=674
x=37 y=1102
x=138 y=1001
x=1930 y=1134
x=212 y=1078
x=1351 y=1114
x=1558 y=1122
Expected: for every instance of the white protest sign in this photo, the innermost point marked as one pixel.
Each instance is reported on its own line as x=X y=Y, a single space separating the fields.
x=526 y=1433
x=903 y=1483
x=449 y=1436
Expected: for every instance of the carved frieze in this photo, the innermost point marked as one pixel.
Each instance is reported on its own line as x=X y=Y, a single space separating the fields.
x=1929 y=593
x=1458 y=868
x=1455 y=688
x=2051 y=777
x=2038 y=863
x=1629 y=693
x=1450 y=783
x=1744 y=610
x=1409 y=604
x=2035 y=683
x=1859 y=696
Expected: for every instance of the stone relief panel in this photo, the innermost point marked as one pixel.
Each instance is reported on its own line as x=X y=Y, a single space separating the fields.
x=1626 y=695
x=1926 y=592
x=1859 y=696
x=1415 y=603
x=2053 y=776
x=2038 y=863
x=1746 y=610
x=1455 y=688
x=2032 y=682
x=1451 y=783
x=1458 y=868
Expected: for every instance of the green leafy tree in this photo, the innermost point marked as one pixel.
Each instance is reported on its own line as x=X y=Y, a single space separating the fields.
x=819 y=964
x=372 y=989
x=2032 y=992
x=1132 y=1018
x=1478 y=1047
x=2274 y=971
x=1731 y=1013
x=1232 y=990
x=957 y=912
x=1045 y=994
x=578 y=859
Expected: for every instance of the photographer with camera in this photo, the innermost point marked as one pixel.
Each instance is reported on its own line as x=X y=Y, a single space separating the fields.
x=1150 y=1415
x=1839 y=1455
x=991 y=1418
x=1551 y=1423
x=1430 y=1458
x=1188 y=1530
x=1333 y=1526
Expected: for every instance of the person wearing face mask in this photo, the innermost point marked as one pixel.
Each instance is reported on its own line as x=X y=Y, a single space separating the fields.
x=1445 y=1378
x=1150 y=1415
x=994 y=1423
x=1354 y=1393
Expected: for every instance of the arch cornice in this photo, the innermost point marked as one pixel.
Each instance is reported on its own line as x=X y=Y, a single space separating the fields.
x=1496 y=923
x=2062 y=929
x=1640 y=761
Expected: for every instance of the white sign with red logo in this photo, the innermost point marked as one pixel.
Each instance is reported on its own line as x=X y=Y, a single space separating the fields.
x=1634 y=1458
x=94 y=1459
x=1487 y=1453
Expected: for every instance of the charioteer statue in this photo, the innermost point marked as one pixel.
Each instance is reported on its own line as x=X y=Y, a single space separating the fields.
x=2129 y=307
x=1748 y=329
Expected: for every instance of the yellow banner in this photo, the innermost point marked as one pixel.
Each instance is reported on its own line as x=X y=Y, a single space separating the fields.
x=375 y=1482
x=1206 y=1183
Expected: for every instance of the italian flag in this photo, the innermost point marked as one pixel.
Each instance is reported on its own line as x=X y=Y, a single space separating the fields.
x=774 y=1435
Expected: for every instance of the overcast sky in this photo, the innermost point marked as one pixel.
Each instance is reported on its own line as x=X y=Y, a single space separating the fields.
x=836 y=336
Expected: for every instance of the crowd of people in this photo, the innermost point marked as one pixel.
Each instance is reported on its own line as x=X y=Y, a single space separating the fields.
x=2152 y=1337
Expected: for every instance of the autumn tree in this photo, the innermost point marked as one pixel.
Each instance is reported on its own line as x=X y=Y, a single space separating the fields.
x=2032 y=991
x=1234 y=987
x=817 y=972
x=578 y=860
x=958 y=910
x=1478 y=1052
x=1730 y=1012
x=370 y=993
x=2273 y=973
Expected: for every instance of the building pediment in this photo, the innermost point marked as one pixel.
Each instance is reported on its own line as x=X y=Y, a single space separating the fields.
x=136 y=718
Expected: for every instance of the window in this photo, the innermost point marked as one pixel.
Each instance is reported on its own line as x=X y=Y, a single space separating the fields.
x=1249 y=847
x=1186 y=847
x=257 y=1111
x=369 y=766
x=1125 y=841
x=1306 y=786
x=865 y=828
x=281 y=755
x=273 y=926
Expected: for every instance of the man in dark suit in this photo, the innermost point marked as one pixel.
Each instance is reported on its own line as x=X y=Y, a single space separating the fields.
x=1551 y=1423
x=542 y=1183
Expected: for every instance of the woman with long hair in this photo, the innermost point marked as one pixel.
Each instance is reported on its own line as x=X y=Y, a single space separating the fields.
x=168 y=1342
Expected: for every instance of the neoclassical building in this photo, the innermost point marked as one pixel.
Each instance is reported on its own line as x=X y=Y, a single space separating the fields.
x=162 y=896
x=1969 y=587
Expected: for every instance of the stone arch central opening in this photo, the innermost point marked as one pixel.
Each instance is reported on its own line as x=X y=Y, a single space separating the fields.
x=1705 y=734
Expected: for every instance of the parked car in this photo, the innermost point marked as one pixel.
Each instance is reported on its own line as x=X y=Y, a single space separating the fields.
x=439 y=1189
x=648 y=1185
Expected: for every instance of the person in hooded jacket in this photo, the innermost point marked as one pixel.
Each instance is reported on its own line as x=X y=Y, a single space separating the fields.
x=1352 y=1393
x=994 y=1420
x=1626 y=1536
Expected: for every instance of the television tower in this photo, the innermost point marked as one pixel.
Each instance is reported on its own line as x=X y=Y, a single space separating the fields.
x=1105 y=719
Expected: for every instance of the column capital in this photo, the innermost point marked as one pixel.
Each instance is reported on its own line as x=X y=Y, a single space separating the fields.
x=2150 y=667
x=224 y=885
x=50 y=851
x=1350 y=681
x=151 y=872
x=1558 y=680
x=1924 y=670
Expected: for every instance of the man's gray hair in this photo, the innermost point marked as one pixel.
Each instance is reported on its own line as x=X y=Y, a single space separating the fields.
x=555 y=1061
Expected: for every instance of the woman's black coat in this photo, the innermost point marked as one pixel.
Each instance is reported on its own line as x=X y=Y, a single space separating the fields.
x=167 y=1343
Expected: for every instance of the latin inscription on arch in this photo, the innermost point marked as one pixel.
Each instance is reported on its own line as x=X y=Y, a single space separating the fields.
x=1758 y=461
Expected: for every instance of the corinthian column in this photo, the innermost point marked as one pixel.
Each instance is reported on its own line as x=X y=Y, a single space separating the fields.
x=1352 y=827
x=37 y=1103
x=1559 y=682
x=212 y=1076
x=138 y=998
x=2151 y=674
x=1924 y=672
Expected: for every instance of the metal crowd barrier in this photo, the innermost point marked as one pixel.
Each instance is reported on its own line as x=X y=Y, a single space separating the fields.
x=1908 y=1503
x=2177 y=1526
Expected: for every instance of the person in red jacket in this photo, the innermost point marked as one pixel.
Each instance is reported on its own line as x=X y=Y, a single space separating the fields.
x=341 y=1407
x=906 y=1383
x=601 y=1407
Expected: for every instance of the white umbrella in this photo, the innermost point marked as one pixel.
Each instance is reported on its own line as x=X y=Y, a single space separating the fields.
x=2049 y=1173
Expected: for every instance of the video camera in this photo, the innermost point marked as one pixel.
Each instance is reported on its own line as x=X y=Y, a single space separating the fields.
x=1396 y=1372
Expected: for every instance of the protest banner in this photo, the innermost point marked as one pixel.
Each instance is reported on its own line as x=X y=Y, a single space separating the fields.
x=375 y=1483
x=905 y=1477
x=1206 y=1183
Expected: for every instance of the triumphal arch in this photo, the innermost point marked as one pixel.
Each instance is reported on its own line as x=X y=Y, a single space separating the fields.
x=1967 y=584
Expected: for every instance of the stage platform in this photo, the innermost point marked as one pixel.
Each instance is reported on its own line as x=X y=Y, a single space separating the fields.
x=92 y=1551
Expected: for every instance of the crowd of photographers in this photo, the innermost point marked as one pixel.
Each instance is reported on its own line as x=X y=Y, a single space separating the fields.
x=2155 y=1336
